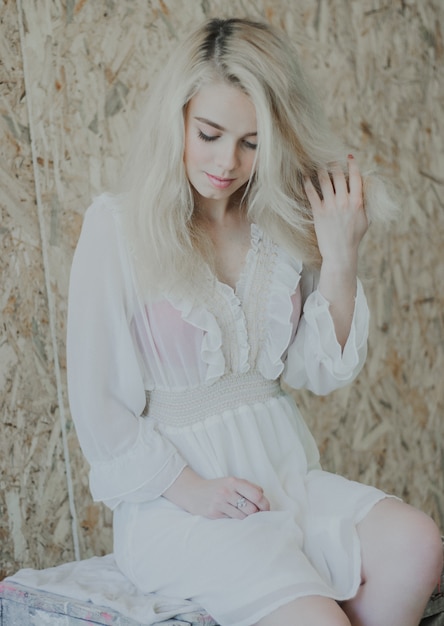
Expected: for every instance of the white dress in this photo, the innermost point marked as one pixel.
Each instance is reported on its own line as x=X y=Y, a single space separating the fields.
x=211 y=374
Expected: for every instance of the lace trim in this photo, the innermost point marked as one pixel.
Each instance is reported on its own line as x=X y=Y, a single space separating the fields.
x=256 y=292
x=278 y=326
x=268 y=291
x=225 y=304
x=234 y=329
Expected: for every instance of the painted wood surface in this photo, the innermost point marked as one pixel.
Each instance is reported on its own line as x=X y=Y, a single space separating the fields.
x=24 y=606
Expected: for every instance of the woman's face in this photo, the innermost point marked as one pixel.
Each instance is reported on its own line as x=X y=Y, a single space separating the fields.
x=220 y=142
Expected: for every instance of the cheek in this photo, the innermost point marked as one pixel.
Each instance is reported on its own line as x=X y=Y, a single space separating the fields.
x=251 y=165
x=187 y=151
x=193 y=151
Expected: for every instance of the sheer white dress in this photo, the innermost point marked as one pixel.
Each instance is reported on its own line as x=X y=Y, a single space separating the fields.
x=158 y=385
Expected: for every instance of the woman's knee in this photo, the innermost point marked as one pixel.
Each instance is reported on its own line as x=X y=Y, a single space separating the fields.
x=404 y=538
x=422 y=541
x=430 y=549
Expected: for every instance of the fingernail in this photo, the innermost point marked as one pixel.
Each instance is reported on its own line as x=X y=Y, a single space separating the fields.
x=350 y=156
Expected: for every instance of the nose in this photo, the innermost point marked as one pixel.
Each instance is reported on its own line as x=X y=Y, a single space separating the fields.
x=227 y=157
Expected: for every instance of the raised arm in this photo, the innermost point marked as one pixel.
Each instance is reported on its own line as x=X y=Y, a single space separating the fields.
x=340 y=223
x=331 y=341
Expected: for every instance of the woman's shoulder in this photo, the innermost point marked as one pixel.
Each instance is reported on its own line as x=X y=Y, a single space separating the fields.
x=101 y=247
x=104 y=209
x=102 y=221
x=102 y=228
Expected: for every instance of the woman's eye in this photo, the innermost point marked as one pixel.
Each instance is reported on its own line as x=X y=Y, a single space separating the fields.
x=207 y=137
x=250 y=145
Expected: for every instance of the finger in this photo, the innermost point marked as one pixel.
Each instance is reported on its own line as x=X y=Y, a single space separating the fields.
x=340 y=184
x=328 y=192
x=244 y=506
x=232 y=511
x=355 y=182
x=312 y=194
x=227 y=508
x=263 y=504
x=254 y=494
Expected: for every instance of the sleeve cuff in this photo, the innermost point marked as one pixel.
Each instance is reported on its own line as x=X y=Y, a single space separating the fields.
x=339 y=362
x=315 y=359
x=142 y=473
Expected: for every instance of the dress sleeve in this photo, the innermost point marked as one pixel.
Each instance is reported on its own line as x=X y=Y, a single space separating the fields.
x=315 y=360
x=129 y=458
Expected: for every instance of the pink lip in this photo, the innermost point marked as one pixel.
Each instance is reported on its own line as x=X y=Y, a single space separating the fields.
x=220 y=183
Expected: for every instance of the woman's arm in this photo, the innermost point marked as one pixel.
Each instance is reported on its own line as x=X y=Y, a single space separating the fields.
x=340 y=224
x=129 y=459
x=330 y=345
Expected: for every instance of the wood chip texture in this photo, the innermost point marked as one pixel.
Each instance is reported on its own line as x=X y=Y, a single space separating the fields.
x=72 y=79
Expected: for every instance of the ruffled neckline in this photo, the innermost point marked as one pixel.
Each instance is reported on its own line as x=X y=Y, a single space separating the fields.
x=255 y=240
x=235 y=296
x=279 y=323
x=201 y=318
x=239 y=288
x=278 y=286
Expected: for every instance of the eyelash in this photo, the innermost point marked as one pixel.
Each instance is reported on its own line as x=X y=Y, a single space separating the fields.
x=209 y=138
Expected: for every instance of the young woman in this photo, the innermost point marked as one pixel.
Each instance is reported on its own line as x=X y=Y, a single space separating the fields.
x=227 y=265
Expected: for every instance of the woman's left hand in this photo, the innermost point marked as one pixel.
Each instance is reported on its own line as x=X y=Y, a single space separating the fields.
x=339 y=217
x=340 y=224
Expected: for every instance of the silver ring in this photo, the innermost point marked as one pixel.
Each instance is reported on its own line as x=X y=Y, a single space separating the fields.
x=241 y=503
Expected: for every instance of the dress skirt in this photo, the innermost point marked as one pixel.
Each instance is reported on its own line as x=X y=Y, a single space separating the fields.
x=242 y=570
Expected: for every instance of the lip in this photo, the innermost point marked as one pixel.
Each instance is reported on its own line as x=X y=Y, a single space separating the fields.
x=219 y=183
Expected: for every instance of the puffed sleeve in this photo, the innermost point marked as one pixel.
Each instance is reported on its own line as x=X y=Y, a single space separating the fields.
x=129 y=459
x=315 y=359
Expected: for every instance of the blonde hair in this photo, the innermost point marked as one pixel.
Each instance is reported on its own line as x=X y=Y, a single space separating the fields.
x=294 y=141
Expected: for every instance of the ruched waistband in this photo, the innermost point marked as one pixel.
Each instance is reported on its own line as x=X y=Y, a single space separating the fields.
x=181 y=408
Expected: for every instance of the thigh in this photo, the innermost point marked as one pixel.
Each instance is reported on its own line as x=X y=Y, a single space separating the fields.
x=307 y=612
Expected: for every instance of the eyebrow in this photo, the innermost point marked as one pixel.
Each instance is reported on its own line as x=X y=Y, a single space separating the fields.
x=218 y=126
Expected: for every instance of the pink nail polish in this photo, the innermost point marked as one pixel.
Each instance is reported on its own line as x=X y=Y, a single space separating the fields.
x=350 y=156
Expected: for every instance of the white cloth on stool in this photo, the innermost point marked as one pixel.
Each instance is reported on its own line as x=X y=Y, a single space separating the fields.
x=99 y=580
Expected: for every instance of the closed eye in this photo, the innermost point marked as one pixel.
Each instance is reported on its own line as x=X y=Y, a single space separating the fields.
x=205 y=137
x=250 y=145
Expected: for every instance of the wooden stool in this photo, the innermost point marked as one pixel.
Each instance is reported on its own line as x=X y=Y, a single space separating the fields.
x=24 y=606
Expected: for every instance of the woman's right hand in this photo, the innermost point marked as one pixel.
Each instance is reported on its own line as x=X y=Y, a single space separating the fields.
x=218 y=497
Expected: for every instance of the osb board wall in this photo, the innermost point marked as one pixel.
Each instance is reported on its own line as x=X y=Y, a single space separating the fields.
x=72 y=79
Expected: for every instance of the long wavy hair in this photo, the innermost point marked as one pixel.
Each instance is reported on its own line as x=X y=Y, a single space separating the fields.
x=294 y=141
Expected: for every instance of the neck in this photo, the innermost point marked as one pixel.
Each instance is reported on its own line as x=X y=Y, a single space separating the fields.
x=218 y=211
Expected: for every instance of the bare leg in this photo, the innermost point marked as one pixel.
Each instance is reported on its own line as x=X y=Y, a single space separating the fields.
x=401 y=564
x=307 y=611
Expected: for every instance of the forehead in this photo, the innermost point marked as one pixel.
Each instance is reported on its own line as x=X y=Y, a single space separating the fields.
x=224 y=104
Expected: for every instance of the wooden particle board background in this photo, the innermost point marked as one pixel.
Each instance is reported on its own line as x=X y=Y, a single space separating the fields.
x=72 y=79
